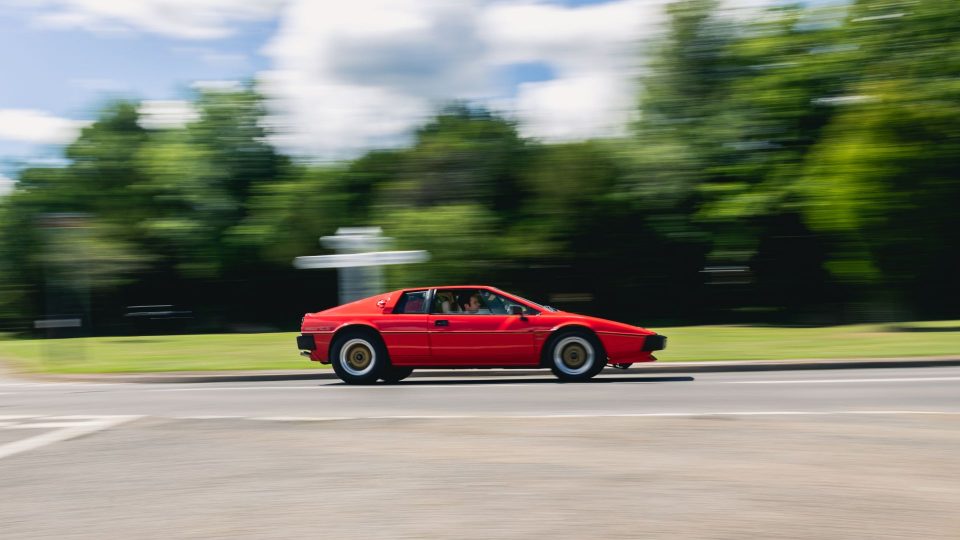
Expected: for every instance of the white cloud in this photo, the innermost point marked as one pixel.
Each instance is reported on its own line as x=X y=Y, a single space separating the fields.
x=166 y=114
x=594 y=52
x=6 y=185
x=30 y=125
x=576 y=107
x=187 y=19
x=349 y=76
x=577 y=37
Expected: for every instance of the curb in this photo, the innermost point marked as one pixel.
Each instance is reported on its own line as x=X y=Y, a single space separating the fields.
x=666 y=367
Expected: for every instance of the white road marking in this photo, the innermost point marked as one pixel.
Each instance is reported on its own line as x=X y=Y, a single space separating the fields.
x=231 y=388
x=494 y=384
x=42 y=425
x=83 y=426
x=591 y=415
x=210 y=417
x=303 y=418
x=76 y=417
x=833 y=381
x=337 y=386
x=90 y=424
x=54 y=384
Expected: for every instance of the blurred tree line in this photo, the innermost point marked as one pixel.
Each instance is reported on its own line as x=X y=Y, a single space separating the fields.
x=800 y=166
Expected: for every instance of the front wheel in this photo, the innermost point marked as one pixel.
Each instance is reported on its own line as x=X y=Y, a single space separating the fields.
x=576 y=356
x=359 y=357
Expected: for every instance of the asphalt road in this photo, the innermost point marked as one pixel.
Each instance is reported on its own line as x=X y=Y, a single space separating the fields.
x=922 y=389
x=812 y=454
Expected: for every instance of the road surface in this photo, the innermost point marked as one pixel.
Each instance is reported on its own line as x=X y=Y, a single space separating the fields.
x=812 y=454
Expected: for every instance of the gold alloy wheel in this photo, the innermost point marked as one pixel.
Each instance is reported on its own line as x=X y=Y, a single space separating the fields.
x=574 y=355
x=359 y=356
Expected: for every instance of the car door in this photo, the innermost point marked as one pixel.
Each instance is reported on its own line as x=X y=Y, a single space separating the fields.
x=488 y=337
x=404 y=330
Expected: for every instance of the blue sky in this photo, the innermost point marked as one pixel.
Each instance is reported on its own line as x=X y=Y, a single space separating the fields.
x=69 y=73
x=69 y=68
x=63 y=70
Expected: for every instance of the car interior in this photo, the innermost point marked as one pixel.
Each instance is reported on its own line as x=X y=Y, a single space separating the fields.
x=451 y=301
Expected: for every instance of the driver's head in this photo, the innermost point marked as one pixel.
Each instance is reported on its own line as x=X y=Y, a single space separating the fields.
x=470 y=303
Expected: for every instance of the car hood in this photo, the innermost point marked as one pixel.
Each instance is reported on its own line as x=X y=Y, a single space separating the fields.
x=604 y=325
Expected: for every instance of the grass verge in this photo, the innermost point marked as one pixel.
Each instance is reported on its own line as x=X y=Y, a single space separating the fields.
x=278 y=350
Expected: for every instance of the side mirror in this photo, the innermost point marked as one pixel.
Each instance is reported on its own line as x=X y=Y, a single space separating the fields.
x=516 y=310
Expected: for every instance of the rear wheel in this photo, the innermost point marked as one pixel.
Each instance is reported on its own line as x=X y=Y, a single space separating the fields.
x=359 y=357
x=393 y=375
x=575 y=356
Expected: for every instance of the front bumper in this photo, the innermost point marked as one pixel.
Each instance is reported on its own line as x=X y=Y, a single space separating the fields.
x=654 y=342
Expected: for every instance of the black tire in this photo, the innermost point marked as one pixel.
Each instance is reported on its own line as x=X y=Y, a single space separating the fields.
x=359 y=356
x=575 y=355
x=393 y=375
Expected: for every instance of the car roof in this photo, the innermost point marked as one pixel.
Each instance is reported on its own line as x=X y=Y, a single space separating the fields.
x=450 y=287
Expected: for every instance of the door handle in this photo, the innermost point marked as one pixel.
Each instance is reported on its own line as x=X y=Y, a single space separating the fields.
x=441 y=322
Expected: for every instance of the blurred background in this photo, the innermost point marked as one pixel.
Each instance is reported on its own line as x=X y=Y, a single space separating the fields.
x=664 y=163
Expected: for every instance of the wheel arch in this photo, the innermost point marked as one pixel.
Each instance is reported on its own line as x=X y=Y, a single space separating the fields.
x=558 y=330
x=352 y=326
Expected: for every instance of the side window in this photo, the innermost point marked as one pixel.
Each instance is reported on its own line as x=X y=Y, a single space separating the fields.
x=459 y=301
x=412 y=302
x=474 y=302
x=445 y=301
x=470 y=302
x=500 y=305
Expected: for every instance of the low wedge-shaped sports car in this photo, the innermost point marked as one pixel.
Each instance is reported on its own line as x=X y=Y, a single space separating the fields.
x=387 y=336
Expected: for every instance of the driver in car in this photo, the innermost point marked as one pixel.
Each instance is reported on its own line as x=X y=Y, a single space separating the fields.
x=470 y=304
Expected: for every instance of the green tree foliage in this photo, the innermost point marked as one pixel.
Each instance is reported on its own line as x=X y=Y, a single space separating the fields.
x=882 y=181
x=787 y=161
x=462 y=239
x=464 y=155
x=811 y=145
x=152 y=208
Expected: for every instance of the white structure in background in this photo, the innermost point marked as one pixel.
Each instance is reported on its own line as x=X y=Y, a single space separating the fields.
x=359 y=260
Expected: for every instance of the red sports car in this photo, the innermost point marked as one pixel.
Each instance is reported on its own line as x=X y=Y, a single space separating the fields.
x=387 y=336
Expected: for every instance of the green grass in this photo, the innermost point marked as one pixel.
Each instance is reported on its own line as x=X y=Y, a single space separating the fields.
x=278 y=351
x=156 y=353
x=694 y=343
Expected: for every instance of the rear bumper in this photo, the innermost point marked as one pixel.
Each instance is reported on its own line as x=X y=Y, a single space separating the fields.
x=314 y=346
x=306 y=343
x=654 y=342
